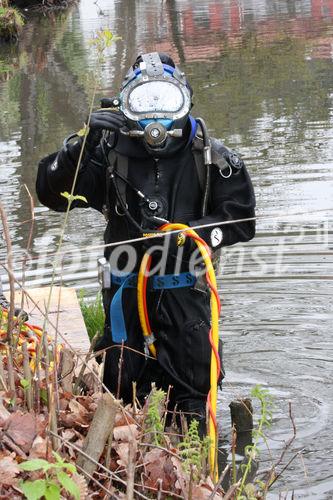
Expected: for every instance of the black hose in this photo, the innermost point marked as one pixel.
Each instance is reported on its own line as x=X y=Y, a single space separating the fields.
x=119 y=197
x=206 y=143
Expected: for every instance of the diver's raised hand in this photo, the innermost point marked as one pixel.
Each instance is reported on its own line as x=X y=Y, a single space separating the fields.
x=106 y=119
x=103 y=119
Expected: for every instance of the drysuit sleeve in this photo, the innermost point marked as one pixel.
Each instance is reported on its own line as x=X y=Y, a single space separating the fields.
x=231 y=198
x=56 y=175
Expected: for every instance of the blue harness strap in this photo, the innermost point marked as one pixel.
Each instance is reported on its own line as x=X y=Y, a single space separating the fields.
x=166 y=281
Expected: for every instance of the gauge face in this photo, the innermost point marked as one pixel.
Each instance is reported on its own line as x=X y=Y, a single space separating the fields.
x=156 y=97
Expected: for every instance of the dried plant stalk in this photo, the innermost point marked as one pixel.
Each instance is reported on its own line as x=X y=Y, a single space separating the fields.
x=7 y=239
x=27 y=376
x=3 y=386
x=10 y=370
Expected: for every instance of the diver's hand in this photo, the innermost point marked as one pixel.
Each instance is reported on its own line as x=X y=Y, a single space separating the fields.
x=103 y=120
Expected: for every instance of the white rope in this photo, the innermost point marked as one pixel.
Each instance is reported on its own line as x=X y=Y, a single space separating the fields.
x=275 y=217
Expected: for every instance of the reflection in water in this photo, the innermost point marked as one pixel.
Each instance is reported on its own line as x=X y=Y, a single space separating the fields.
x=262 y=76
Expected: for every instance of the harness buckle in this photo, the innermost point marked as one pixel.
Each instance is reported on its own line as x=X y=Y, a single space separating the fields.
x=149 y=339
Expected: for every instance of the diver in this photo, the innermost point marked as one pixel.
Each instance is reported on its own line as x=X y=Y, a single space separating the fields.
x=148 y=161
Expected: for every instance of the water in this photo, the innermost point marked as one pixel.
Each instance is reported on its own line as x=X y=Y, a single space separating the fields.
x=262 y=75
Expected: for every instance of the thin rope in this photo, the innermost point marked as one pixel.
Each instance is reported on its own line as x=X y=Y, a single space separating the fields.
x=162 y=234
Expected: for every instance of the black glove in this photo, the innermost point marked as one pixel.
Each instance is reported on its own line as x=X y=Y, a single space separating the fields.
x=103 y=120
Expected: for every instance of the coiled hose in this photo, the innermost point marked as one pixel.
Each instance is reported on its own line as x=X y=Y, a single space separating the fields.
x=215 y=305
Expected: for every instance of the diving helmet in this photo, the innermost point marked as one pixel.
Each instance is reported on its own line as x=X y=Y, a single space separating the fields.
x=156 y=100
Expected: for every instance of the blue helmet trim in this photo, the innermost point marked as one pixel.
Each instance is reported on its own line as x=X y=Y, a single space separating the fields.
x=167 y=123
x=194 y=127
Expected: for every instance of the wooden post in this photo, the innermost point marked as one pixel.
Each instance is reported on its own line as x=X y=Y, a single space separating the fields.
x=100 y=429
x=67 y=365
x=242 y=419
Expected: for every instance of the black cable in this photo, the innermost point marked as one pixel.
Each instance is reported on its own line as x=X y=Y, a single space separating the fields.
x=118 y=195
x=206 y=143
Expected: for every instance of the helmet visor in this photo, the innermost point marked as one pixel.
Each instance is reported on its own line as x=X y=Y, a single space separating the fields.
x=156 y=97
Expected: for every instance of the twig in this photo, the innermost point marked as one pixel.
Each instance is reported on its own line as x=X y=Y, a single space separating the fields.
x=27 y=376
x=219 y=482
x=233 y=453
x=10 y=371
x=272 y=476
x=3 y=385
x=165 y=492
x=167 y=400
x=83 y=367
x=131 y=470
x=190 y=485
x=55 y=352
x=12 y=446
x=92 y=478
x=151 y=445
x=10 y=319
x=120 y=368
x=53 y=424
x=29 y=242
x=134 y=398
x=230 y=493
x=285 y=467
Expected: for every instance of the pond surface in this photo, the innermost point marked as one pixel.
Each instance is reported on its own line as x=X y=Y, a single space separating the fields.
x=262 y=75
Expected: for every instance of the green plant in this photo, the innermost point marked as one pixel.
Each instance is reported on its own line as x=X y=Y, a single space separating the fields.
x=193 y=450
x=57 y=477
x=252 y=451
x=11 y=22
x=93 y=315
x=154 y=420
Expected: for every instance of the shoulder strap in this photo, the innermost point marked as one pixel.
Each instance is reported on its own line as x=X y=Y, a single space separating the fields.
x=122 y=169
x=197 y=150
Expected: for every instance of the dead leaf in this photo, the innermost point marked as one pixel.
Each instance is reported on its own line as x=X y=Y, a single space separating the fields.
x=68 y=434
x=125 y=432
x=39 y=448
x=8 y=470
x=159 y=467
x=78 y=416
x=41 y=424
x=121 y=419
x=77 y=409
x=122 y=451
x=4 y=414
x=91 y=382
x=182 y=478
x=203 y=491
x=21 y=428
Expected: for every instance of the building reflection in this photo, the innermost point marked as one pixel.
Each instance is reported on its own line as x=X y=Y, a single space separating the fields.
x=203 y=30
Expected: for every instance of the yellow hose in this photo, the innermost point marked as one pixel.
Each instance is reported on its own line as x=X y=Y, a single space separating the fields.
x=141 y=298
x=212 y=427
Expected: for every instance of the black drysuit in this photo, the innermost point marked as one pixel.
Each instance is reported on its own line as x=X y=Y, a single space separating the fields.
x=180 y=318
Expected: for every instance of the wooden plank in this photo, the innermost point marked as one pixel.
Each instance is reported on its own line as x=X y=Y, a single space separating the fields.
x=70 y=319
